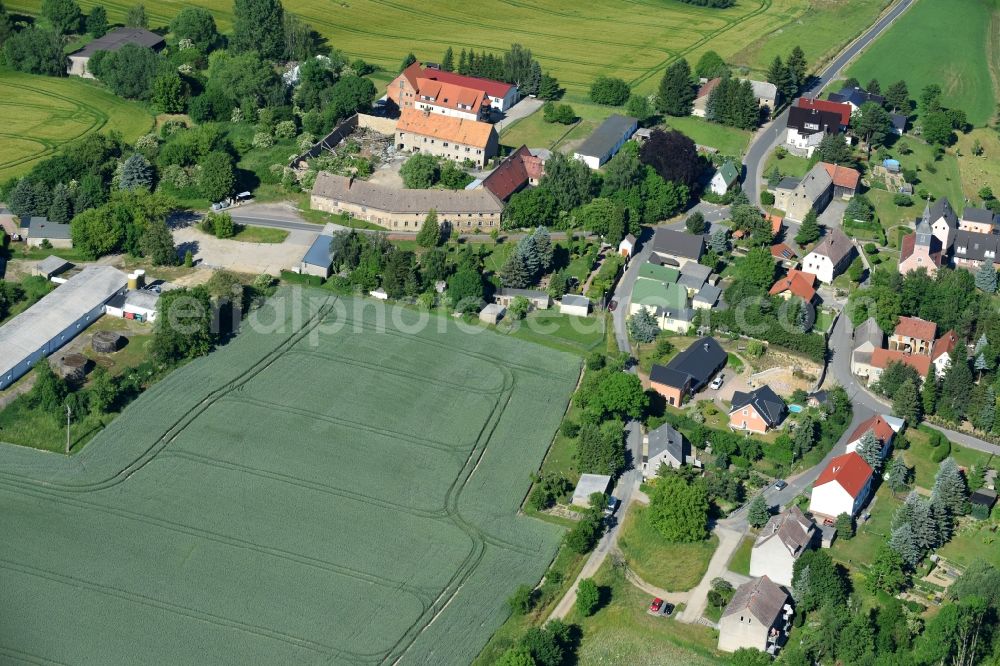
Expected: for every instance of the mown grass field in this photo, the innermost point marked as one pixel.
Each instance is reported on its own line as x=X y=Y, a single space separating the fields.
x=632 y=39
x=962 y=66
x=672 y=566
x=266 y=505
x=42 y=113
x=622 y=633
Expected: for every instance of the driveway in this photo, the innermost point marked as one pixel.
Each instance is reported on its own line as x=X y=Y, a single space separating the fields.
x=522 y=109
x=729 y=541
x=250 y=258
x=833 y=216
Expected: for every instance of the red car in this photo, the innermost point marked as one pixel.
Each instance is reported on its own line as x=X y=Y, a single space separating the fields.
x=660 y=607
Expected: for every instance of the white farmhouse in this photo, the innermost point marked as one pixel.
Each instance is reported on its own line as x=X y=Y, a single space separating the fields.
x=842 y=487
x=780 y=543
x=758 y=617
x=831 y=257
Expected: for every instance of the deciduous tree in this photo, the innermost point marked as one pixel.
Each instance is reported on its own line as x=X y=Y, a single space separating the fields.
x=258 y=25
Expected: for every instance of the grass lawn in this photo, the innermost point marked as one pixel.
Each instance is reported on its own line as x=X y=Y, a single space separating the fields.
x=672 y=566
x=983 y=170
x=861 y=549
x=22 y=251
x=945 y=181
x=320 y=217
x=534 y=132
x=824 y=318
x=740 y=561
x=260 y=235
x=973 y=540
x=963 y=73
x=918 y=456
x=728 y=140
x=789 y=165
x=42 y=113
x=820 y=28
x=559 y=331
x=621 y=632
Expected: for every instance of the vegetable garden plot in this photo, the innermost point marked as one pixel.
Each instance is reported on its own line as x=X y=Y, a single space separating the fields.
x=279 y=502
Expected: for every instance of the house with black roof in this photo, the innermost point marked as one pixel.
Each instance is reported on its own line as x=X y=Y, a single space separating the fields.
x=677 y=248
x=689 y=371
x=855 y=97
x=808 y=126
x=111 y=41
x=663 y=446
x=757 y=411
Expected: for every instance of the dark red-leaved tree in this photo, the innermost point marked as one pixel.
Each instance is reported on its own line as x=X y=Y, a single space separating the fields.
x=673 y=156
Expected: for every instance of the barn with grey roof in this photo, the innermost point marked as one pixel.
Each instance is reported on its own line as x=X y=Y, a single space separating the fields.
x=56 y=319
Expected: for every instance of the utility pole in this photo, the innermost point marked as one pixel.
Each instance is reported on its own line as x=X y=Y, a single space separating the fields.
x=69 y=413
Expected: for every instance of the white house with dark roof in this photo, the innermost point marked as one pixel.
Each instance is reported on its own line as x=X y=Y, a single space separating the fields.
x=318 y=258
x=830 y=257
x=944 y=221
x=574 y=304
x=868 y=336
x=663 y=446
x=724 y=179
x=780 y=543
x=758 y=617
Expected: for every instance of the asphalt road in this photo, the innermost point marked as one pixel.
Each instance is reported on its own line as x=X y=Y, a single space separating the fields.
x=772 y=134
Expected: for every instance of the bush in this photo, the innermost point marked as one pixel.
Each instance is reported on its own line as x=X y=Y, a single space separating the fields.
x=901 y=199
x=262 y=140
x=558 y=113
x=522 y=600
x=588 y=596
x=766 y=198
x=941 y=452
x=609 y=90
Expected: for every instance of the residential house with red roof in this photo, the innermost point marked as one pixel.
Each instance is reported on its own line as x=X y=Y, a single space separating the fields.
x=785 y=254
x=796 y=283
x=879 y=426
x=882 y=358
x=700 y=106
x=757 y=411
x=842 y=487
x=942 y=352
x=842 y=109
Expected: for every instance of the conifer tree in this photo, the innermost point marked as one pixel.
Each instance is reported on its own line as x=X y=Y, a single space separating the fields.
x=950 y=488
x=906 y=402
x=430 y=232
x=676 y=92
x=514 y=273
x=448 y=60
x=929 y=391
x=870 y=449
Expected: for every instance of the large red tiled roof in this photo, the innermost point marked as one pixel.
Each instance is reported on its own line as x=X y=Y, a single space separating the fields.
x=451 y=96
x=883 y=431
x=849 y=470
x=881 y=358
x=915 y=327
x=842 y=176
x=447 y=128
x=488 y=86
x=510 y=176
x=825 y=105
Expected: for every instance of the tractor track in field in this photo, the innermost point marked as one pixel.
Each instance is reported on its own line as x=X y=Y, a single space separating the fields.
x=384 y=370
x=176 y=609
x=306 y=483
x=98 y=117
x=75 y=495
x=658 y=68
x=410 y=438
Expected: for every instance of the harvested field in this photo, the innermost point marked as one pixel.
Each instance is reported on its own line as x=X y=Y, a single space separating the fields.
x=332 y=491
